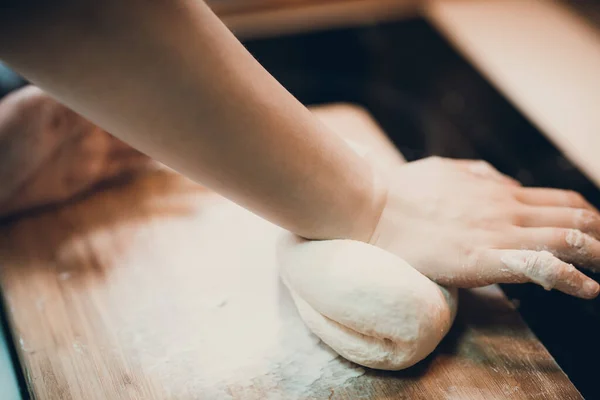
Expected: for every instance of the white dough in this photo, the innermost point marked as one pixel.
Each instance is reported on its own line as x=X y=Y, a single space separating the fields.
x=370 y=306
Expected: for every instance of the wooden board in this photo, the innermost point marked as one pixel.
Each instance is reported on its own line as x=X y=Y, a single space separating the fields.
x=541 y=56
x=265 y=18
x=230 y=7
x=158 y=289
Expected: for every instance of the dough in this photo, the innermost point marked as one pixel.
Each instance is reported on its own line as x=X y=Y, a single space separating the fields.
x=368 y=305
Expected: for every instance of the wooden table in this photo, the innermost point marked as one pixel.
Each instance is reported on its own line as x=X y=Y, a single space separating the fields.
x=159 y=289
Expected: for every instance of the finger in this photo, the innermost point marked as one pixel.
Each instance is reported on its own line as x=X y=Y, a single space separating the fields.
x=571 y=245
x=122 y=158
x=540 y=267
x=485 y=170
x=28 y=136
x=125 y=164
x=585 y=220
x=552 y=198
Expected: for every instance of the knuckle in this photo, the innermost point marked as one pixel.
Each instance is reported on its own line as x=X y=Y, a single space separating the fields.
x=565 y=270
x=586 y=220
x=483 y=164
x=535 y=261
x=436 y=160
x=480 y=167
x=518 y=217
x=574 y=239
x=562 y=239
x=574 y=198
x=543 y=268
x=558 y=239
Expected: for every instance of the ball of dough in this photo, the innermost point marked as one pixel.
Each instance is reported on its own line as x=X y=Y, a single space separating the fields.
x=368 y=305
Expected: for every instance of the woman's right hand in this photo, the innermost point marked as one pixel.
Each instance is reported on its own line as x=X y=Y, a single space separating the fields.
x=461 y=223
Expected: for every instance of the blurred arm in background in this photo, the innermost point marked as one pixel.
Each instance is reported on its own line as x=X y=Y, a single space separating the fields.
x=49 y=154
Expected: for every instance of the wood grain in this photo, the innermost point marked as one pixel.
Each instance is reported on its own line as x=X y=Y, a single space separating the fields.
x=541 y=56
x=158 y=289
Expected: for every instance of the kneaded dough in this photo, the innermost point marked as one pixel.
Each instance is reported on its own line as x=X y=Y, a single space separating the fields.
x=368 y=305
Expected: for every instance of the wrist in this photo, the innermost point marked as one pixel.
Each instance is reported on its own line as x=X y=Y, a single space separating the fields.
x=367 y=230
x=355 y=210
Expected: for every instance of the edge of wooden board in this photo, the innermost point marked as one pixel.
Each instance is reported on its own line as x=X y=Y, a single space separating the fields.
x=542 y=57
x=276 y=19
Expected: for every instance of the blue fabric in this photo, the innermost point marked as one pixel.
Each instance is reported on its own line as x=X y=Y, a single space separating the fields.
x=9 y=388
x=9 y=80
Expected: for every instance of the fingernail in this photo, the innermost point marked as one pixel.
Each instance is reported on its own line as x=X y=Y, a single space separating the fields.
x=590 y=289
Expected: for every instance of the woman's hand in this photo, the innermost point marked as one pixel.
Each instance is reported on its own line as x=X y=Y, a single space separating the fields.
x=462 y=223
x=48 y=153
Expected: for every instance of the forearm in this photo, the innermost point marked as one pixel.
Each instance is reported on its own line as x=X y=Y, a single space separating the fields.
x=170 y=79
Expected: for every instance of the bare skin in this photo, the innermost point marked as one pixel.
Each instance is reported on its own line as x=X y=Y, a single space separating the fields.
x=49 y=154
x=463 y=224
x=168 y=78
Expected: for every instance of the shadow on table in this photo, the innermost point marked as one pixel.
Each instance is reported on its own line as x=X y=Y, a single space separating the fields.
x=58 y=237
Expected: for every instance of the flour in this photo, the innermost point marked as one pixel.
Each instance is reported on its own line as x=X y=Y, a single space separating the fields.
x=230 y=332
x=576 y=239
x=538 y=266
